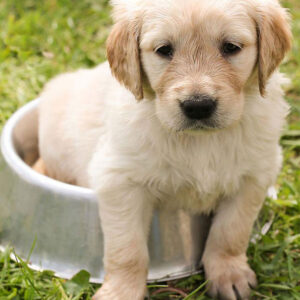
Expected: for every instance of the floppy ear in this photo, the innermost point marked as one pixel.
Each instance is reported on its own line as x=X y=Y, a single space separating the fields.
x=274 y=40
x=124 y=56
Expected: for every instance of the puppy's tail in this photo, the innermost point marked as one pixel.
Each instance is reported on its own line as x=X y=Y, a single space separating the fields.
x=40 y=167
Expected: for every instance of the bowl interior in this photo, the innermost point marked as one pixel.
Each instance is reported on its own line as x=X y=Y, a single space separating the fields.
x=25 y=137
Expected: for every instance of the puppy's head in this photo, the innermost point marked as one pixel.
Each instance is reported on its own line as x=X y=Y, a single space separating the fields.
x=197 y=56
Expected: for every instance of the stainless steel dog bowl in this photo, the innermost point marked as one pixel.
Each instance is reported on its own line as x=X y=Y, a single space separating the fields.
x=61 y=220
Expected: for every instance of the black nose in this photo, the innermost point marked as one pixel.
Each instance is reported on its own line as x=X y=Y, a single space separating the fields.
x=199 y=107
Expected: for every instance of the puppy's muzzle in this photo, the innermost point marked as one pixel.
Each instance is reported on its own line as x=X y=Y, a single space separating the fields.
x=199 y=107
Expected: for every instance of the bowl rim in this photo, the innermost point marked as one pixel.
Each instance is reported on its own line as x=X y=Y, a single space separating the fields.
x=98 y=280
x=25 y=172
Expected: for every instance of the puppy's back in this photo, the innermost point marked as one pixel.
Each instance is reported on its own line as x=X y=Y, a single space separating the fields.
x=72 y=114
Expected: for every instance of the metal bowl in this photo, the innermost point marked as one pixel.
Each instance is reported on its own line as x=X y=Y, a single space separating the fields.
x=61 y=220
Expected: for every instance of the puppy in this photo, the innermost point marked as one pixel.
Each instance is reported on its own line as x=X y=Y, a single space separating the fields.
x=193 y=119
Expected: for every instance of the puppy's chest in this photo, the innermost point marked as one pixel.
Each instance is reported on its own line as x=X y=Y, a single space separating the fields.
x=198 y=175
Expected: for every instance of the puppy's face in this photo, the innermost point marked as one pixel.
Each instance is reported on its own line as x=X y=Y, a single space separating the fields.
x=198 y=58
x=197 y=55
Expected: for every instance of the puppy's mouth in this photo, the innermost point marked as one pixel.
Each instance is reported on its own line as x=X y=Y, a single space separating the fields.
x=199 y=126
x=196 y=125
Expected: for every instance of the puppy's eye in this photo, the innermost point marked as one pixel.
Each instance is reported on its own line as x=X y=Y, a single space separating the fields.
x=230 y=49
x=165 y=51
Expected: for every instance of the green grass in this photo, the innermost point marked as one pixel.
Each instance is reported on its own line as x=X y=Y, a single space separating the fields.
x=39 y=39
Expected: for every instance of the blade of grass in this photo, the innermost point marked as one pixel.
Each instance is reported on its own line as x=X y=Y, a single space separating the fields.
x=189 y=296
x=31 y=250
x=26 y=271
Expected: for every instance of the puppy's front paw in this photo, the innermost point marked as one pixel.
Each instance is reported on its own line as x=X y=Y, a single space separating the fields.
x=230 y=278
x=111 y=290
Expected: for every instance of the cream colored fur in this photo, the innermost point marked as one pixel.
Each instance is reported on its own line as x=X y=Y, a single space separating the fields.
x=136 y=154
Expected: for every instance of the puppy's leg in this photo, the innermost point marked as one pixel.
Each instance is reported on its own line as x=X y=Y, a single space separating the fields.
x=125 y=214
x=224 y=258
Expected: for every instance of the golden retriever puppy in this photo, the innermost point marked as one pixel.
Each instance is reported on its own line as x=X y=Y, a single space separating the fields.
x=188 y=111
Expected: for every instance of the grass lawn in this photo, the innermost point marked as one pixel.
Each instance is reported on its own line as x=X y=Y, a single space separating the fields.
x=39 y=39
